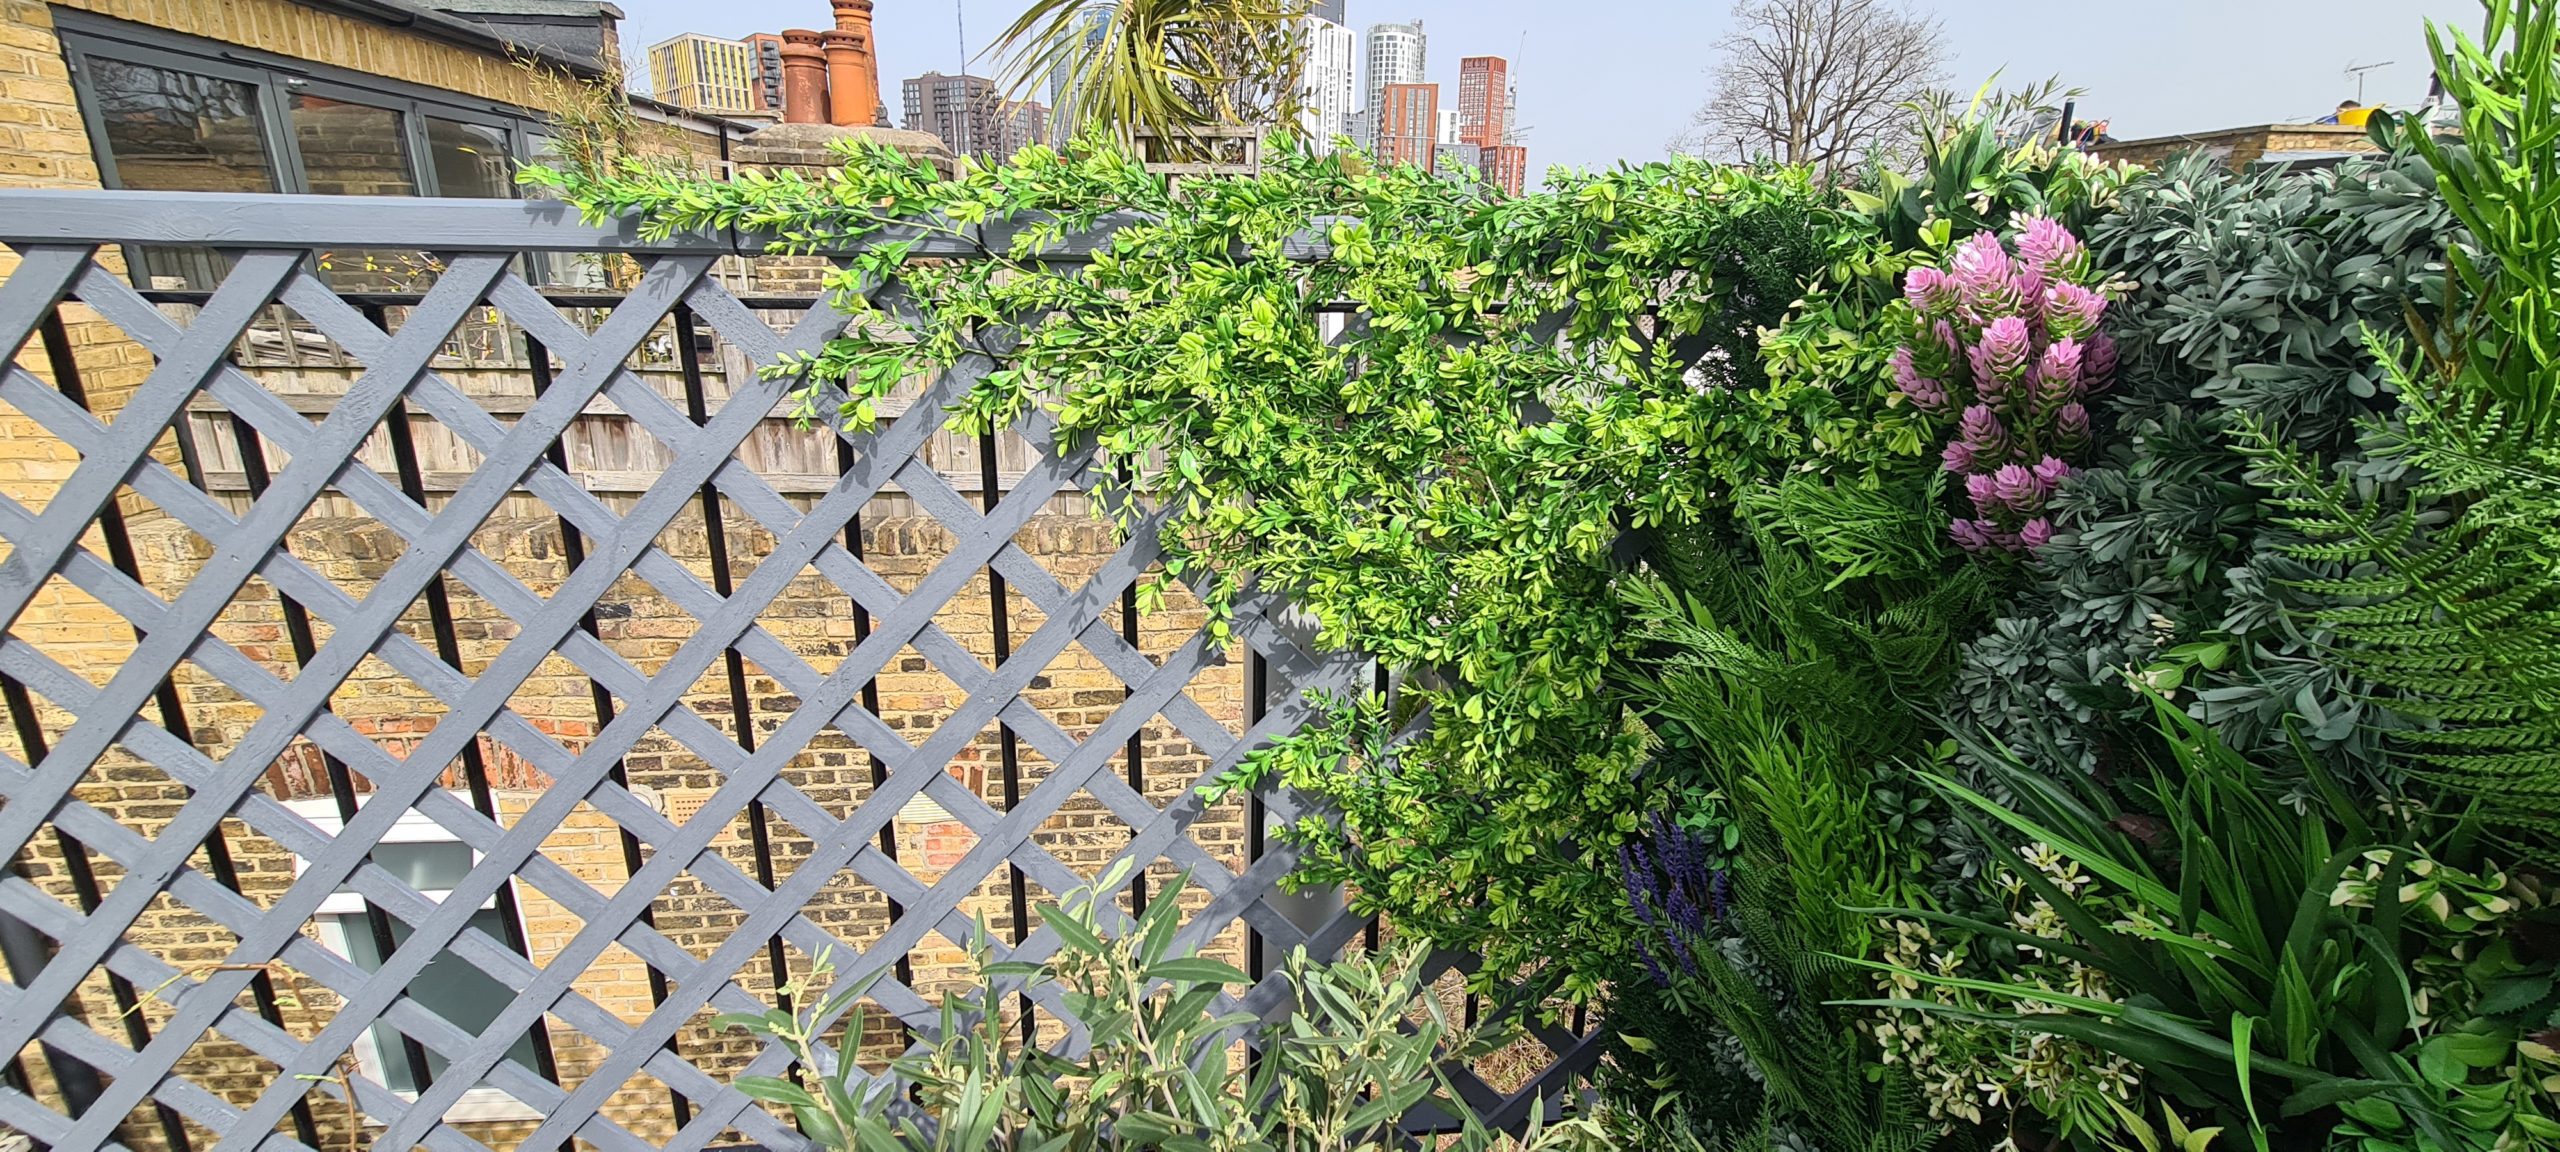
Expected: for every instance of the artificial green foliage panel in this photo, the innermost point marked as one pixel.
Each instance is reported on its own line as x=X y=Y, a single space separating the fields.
x=2443 y=595
x=2251 y=294
x=1522 y=391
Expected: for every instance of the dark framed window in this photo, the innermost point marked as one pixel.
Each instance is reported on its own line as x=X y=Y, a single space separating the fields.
x=174 y=113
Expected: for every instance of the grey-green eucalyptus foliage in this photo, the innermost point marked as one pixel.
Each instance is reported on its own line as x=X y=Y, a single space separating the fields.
x=2253 y=293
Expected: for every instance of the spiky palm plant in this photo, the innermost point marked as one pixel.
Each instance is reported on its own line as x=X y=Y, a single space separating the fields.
x=1169 y=70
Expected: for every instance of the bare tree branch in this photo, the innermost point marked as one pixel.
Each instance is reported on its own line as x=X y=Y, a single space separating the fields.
x=1822 y=83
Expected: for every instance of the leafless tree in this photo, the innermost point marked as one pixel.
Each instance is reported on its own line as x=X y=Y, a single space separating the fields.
x=1822 y=83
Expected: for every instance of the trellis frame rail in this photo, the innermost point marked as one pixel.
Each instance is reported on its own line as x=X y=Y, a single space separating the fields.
x=116 y=1074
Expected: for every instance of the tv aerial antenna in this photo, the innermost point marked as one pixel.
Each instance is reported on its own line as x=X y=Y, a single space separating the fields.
x=2357 y=73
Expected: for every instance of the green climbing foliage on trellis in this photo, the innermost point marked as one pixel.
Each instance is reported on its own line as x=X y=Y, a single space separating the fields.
x=1448 y=484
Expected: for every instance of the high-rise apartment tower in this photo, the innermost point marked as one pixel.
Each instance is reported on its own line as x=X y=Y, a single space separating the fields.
x=1484 y=101
x=1409 y=124
x=765 y=50
x=1396 y=56
x=1329 y=85
x=704 y=73
x=971 y=115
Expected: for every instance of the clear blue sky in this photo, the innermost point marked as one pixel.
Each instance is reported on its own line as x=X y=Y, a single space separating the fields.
x=1604 y=80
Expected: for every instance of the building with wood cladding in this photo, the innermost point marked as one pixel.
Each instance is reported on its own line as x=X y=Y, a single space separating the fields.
x=423 y=98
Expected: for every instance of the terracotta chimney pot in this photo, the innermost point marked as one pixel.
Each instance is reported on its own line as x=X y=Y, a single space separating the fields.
x=804 y=78
x=853 y=67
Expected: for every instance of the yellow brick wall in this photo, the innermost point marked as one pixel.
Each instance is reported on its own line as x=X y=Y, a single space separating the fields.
x=42 y=142
x=306 y=33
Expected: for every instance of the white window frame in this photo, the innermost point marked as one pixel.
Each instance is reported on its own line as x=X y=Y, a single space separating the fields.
x=477 y=1104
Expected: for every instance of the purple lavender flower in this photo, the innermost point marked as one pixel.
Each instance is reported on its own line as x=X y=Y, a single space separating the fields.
x=2050 y=473
x=2071 y=312
x=1957 y=456
x=2035 y=534
x=1676 y=894
x=1972 y=535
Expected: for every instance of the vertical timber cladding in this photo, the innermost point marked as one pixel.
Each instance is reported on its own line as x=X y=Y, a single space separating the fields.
x=451 y=660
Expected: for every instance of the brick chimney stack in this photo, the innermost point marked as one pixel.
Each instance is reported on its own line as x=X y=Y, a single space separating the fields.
x=853 y=70
x=804 y=77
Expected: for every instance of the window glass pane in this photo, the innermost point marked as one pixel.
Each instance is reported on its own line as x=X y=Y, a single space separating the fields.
x=429 y=868
x=171 y=131
x=471 y=160
x=179 y=132
x=351 y=149
x=449 y=987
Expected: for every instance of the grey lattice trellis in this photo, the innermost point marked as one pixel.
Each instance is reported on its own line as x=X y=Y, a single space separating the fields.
x=60 y=238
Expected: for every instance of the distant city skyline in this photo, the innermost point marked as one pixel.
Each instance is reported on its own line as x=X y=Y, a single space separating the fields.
x=1618 y=79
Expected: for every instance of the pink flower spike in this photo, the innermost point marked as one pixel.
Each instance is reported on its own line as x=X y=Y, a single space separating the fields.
x=2050 y=473
x=2098 y=363
x=1971 y=535
x=2031 y=287
x=1983 y=491
x=1978 y=262
x=1982 y=432
x=2059 y=372
x=1926 y=394
x=2006 y=350
x=1985 y=278
x=2072 y=421
x=2071 y=312
x=2044 y=243
x=2035 y=534
x=1927 y=291
x=1958 y=457
x=2016 y=487
x=1991 y=390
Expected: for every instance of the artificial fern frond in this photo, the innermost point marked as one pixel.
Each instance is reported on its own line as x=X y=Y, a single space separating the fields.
x=2451 y=616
